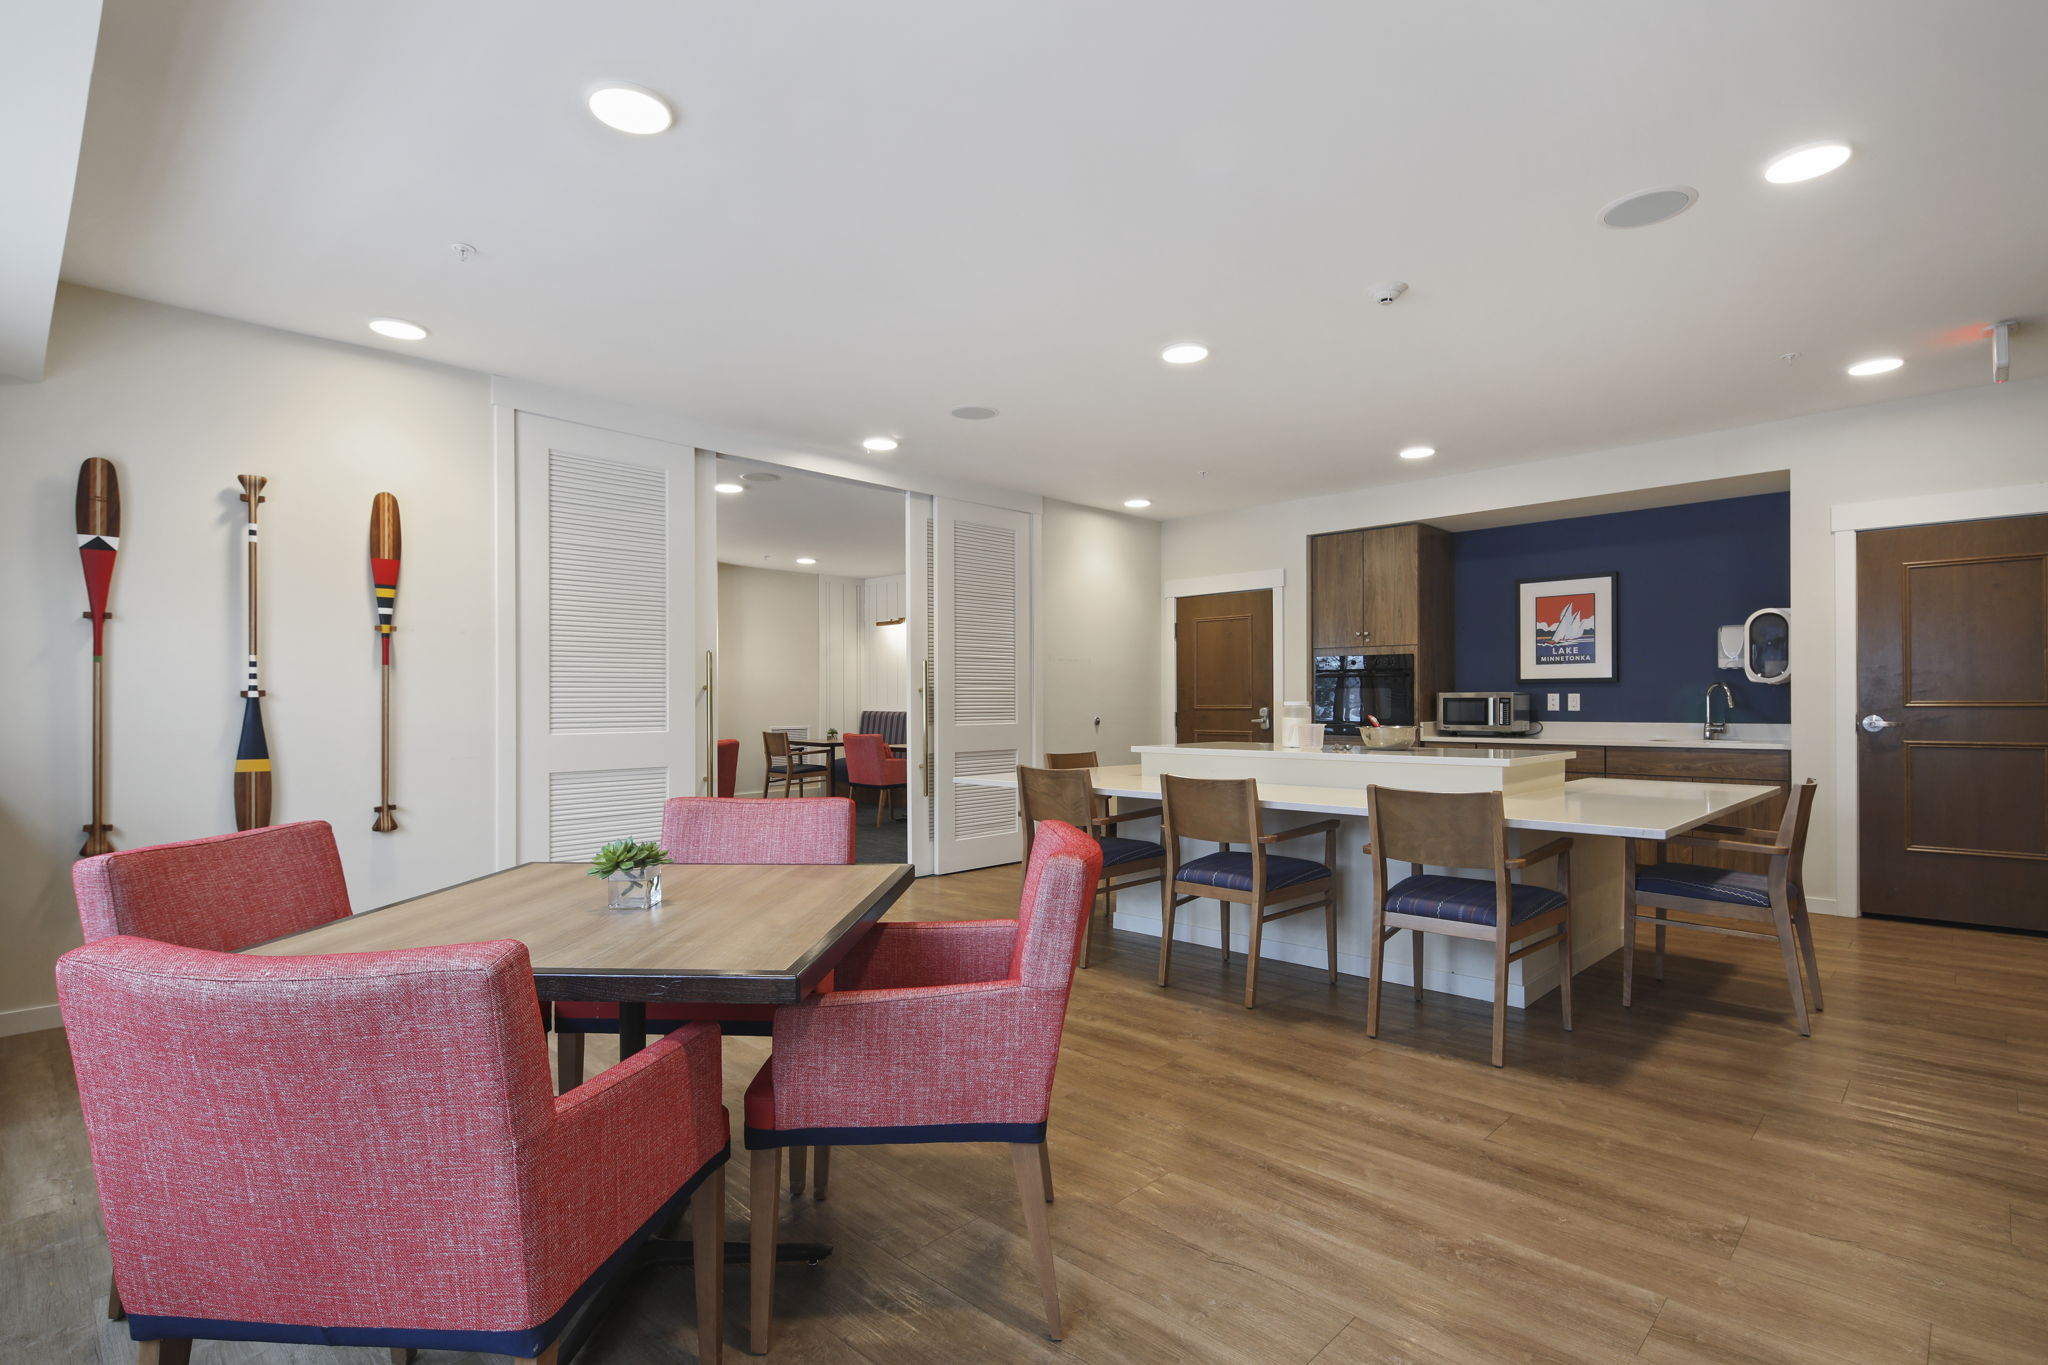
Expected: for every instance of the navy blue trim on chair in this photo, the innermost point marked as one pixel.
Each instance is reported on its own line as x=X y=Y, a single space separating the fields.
x=1705 y=883
x=1116 y=850
x=1233 y=871
x=759 y=1138
x=523 y=1342
x=1467 y=900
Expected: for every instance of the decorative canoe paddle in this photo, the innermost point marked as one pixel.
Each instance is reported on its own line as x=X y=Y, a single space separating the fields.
x=384 y=543
x=99 y=540
x=252 y=757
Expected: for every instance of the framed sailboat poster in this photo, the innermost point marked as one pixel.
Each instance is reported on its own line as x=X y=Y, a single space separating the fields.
x=1568 y=627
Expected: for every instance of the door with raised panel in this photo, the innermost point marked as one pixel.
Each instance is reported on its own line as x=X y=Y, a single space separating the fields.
x=1951 y=723
x=1223 y=667
x=610 y=680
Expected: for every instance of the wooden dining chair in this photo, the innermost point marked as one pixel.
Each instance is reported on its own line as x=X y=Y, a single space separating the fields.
x=1066 y=794
x=1463 y=830
x=1271 y=885
x=1081 y=759
x=783 y=766
x=1776 y=898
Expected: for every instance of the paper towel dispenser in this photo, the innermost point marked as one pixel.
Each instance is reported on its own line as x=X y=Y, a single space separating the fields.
x=1767 y=658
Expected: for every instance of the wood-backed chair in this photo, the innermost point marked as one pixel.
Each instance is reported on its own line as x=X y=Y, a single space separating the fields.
x=1776 y=898
x=783 y=767
x=1084 y=758
x=1227 y=812
x=1067 y=794
x=1463 y=830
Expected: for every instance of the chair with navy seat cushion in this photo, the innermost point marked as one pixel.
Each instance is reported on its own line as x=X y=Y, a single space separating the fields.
x=1068 y=794
x=1465 y=830
x=784 y=765
x=1775 y=898
x=1269 y=885
x=362 y=1149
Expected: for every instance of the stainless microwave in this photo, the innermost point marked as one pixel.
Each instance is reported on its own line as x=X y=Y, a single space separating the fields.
x=1483 y=713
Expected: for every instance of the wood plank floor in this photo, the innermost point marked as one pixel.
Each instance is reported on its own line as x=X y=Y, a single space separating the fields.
x=1688 y=1182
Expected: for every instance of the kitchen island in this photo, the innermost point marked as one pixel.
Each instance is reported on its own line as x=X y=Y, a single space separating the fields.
x=1603 y=815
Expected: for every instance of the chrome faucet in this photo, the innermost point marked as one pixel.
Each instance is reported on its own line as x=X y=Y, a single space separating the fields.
x=1714 y=729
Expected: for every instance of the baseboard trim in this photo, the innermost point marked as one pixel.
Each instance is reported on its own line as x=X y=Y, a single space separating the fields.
x=1828 y=905
x=33 y=1019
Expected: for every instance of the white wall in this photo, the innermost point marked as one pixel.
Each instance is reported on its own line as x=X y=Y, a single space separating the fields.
x=841 y=638
x=1098 y=650
x=182 y=403
x=767 y=661
x=1971 y=438
x=884 y=685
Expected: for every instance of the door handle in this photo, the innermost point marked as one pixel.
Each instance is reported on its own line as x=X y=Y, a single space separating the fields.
x=1876 y=724
x=1265 y=718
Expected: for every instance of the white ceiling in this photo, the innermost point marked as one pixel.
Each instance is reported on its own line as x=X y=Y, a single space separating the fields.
x=870 y=214
x=851 y=529
x=46 y=58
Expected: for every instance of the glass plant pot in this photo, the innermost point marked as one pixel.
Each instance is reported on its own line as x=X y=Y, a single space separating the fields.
x=638 y=889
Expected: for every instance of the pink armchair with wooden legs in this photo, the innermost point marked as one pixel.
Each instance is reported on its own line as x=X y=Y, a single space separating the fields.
x=936 y=1032
x=364 y=1149
x=870 y=764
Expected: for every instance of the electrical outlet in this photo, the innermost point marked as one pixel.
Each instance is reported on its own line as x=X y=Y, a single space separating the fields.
x=1571 y=701
x=1552 y=706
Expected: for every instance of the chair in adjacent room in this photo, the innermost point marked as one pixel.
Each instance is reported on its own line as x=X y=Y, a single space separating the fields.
x=869 y=765
x=1066 y=794
x=938 y=1032
x=1775 y=898
x=892 y=726
x=224 y=893
x=810 y=830
x=272 y=1169
x=728 y=766
x=784 y=766
x=1271 y=885
x=1463 y=830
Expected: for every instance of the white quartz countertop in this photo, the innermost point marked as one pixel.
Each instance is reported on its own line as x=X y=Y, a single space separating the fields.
x=1594 y=737
x=1467 y=754
x=1624 y=808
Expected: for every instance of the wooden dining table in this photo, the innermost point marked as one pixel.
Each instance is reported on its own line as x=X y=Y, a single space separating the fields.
x=723 y=934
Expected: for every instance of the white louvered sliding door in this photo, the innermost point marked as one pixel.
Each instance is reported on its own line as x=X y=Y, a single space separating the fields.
x=608 y=676
x=980 y=616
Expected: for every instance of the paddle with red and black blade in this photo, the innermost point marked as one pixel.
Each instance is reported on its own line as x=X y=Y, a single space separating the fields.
x=99 y=541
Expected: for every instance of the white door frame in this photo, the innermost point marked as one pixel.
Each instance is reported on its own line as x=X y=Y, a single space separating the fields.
x=1846 y=519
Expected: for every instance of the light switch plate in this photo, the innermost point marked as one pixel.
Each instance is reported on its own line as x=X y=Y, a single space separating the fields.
x=1553 y=701
x=1571 y=701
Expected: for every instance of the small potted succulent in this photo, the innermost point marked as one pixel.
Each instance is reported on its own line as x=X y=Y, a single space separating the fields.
x=632 y=873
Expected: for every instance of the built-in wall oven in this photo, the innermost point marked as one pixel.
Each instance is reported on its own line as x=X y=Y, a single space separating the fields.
x=1351 y=687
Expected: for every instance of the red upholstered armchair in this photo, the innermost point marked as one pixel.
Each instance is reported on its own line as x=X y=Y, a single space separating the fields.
x=223 y=893
x=728 y=766
x=870 y=764
x=935 y=1032
x=272 y=1167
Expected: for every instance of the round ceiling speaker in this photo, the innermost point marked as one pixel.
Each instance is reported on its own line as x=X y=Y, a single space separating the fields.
x=761 y=476
x=1649 y=206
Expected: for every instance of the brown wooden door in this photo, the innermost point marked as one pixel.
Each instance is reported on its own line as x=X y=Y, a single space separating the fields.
x=1223 y=667
x=1336 y=579
x=1952 y=652
x=1390 y=565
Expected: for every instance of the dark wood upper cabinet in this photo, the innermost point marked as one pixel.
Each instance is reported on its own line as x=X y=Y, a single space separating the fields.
x=1379 y=588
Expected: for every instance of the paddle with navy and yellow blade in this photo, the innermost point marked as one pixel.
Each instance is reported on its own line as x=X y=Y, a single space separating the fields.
x=99 y=541
x=252 y=755
x=384 y=552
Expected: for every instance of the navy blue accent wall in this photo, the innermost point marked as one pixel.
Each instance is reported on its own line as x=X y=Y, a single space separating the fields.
x=1684 y=570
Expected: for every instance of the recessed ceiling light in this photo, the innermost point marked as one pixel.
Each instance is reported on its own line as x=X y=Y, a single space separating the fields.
x=881 y=445
x=1135 y=503
x=631 y=109
x=974 y=414
x=1184 y=353
x=1883 y=364
x=1649 y=206
x=1804 y=163
x=1418 y=452
x=730 y=487
x=398 y=329
x=807 y=561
